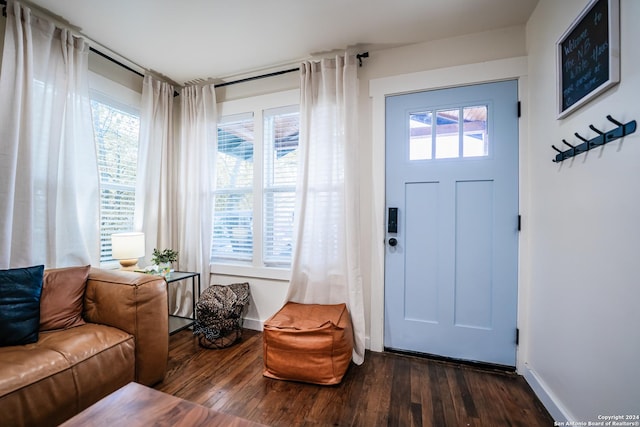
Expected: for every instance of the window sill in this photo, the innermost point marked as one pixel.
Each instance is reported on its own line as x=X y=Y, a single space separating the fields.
x=110 y=265
x=270 y=273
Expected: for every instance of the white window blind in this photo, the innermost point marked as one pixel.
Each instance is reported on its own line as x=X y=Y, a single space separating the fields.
x=233 y=211
x=116 y=130
x=281 y=129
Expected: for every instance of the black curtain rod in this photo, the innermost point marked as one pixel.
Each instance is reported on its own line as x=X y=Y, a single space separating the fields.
x=115 y=61
x=262 y=76
x=277 y=73
x=126 y=67
x=248 y=79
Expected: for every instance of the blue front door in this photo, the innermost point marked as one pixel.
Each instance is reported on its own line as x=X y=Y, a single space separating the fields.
x=452 y=174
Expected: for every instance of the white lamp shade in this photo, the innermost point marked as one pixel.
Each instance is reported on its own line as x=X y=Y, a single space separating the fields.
x=127 y=245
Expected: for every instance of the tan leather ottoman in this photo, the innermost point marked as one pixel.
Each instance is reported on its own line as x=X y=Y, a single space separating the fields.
x=308 y=342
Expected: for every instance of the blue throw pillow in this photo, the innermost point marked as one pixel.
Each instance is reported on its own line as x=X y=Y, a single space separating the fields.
x=20 y=290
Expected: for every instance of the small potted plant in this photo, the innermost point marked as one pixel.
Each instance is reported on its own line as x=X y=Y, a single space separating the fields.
x=163 y=260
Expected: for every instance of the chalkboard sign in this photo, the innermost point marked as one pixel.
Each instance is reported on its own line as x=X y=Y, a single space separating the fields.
x=588 y=56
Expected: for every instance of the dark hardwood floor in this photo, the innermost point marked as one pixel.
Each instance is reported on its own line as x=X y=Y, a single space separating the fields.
x=386 y=390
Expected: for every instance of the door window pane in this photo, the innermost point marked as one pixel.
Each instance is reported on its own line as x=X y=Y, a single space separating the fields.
x=475 y=139
x=447 y=134
x=420 y=138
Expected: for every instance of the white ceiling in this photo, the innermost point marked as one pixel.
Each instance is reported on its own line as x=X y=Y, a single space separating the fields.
x=199 y=39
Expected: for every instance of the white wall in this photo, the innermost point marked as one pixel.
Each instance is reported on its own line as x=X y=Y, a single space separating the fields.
x=582 y=335
x=3 y=24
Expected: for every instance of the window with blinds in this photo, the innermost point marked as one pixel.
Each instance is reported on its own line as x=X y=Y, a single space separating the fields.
x=116 y=129
x=233 y=211
x=281 y=128
x=256 y=169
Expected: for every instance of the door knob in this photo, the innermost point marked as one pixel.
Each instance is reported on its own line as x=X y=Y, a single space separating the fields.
x=393 y=241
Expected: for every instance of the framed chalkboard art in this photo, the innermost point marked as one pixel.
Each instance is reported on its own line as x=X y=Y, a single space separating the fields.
x=588 y=55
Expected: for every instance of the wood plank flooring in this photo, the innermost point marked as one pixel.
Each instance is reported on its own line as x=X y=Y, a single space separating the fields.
x=386 y=390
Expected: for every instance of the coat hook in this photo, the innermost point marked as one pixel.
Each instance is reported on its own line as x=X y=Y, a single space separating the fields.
x=580 y=137
x=557 y=149
x=565 y=141
x=612 y=120
x=587 y=143
x=599 y=132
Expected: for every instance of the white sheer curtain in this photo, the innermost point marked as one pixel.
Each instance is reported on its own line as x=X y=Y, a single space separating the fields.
x=155 y=184
x=49 y=181
x=197 y=149
x=326 y=264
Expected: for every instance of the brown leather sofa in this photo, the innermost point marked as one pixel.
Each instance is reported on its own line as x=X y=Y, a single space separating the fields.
x=125 y=339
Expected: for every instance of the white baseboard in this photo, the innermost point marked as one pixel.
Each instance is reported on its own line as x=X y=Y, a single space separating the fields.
x=557 y=411
x=253 y=324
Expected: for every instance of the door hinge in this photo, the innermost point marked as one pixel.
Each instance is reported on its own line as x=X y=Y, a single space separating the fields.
x=519 y=222
x=519 y=109
x=517 y=336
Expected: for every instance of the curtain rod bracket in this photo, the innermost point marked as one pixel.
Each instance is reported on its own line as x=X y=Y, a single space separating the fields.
x=360 y=56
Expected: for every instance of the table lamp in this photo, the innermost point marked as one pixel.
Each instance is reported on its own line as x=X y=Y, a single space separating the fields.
x=127 y=248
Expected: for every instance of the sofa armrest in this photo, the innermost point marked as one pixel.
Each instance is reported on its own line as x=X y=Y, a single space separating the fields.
x=137 y=304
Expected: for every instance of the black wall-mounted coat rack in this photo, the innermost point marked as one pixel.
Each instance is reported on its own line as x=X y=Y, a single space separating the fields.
x=602 y=138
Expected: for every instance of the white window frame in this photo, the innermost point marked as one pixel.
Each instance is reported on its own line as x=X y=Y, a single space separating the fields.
x=256 y=105
x=105 y=90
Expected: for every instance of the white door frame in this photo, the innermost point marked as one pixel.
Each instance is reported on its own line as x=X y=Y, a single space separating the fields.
x=379 y=89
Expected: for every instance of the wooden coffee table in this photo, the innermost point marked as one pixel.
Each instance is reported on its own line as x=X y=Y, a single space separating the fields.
x=138 y=405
